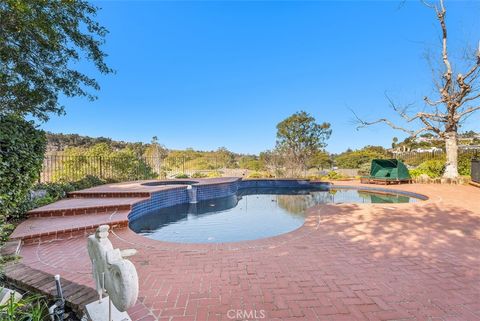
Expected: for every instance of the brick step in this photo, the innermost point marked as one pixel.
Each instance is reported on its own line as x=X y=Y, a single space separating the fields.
x=79 y=206
x=37 y=230
x=36 y=281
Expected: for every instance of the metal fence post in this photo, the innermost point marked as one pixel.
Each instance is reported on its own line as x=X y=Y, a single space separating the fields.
x=101 y=166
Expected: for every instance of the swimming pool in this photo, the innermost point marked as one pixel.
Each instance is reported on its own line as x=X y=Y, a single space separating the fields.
x=249 y=214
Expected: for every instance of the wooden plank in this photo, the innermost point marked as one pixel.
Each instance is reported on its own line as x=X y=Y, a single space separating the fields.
x=36 y=281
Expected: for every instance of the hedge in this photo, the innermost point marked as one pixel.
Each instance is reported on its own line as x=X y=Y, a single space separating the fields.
x=22 y=148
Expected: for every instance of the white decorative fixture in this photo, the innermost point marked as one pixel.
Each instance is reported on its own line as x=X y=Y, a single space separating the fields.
x=114 y=276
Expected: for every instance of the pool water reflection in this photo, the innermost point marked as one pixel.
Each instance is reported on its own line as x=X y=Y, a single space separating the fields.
x=250 y=214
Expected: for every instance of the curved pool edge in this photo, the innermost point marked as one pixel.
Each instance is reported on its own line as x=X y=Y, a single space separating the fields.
x=220 y=188
x=204 y=190
x=381 y=190
x=210 y=189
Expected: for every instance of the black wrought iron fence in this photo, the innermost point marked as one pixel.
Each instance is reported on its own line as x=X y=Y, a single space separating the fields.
x=414 y=159
x=58 y=167
x=475 y=169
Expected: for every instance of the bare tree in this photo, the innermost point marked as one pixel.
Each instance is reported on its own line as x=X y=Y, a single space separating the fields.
x=456 y=97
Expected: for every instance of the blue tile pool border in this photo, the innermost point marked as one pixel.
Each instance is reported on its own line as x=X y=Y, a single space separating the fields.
x=202 y=191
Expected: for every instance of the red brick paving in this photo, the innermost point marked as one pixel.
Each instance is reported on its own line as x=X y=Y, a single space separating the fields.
x=415 y=261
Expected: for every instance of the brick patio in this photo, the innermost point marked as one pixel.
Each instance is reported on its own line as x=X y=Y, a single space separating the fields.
x=418 y=261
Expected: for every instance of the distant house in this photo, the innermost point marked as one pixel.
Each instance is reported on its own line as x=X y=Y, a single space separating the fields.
x=428 y=150
x=427 y=139
x=469 y=147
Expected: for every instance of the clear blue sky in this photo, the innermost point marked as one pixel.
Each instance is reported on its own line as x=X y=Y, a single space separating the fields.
x=210 y=74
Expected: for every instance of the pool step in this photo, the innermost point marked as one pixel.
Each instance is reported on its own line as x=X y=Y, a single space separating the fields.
x=72 y=207
x=44 y=229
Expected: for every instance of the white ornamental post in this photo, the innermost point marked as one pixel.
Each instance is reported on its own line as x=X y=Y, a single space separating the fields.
x=114 y=275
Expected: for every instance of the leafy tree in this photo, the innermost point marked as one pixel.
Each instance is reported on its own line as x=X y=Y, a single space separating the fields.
x=251 y=162
x=300 y=137
x=394 y=142
x=155 y=154
x=469 y=134
x=273 y=162
x=58 y=142
x=155 y=150
x=40 y=42
x=321 y=159
x=357 y=158
x=225 y=158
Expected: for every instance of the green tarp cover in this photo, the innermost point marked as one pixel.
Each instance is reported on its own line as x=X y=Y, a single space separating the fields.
x=388 y=169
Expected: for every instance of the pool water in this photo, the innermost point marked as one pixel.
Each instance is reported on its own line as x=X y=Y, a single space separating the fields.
x=250 y=214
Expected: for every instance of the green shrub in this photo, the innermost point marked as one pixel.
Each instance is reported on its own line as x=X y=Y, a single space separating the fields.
x=251 y=163
x=22 y=148
x=181 y=175
x=42 y=201
x=259 y=175
x=5 y=230
x=255 y=175
x=199 y=175
x=90 y=181
x=414 y=173
x=58 y=190
x=201 y=163
x=54 y=190
x=214 y=174
x=314 y=177
x=278 y=173
x=433 y=168
x=334 y=175
x=464 y=164
x=29 y=308
x=364 y=169
x=356 y=158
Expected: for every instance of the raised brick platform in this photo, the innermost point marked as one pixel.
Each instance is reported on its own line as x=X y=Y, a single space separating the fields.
x=78 y=206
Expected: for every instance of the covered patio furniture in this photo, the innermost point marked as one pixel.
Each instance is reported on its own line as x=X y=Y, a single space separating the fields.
x=387 y=171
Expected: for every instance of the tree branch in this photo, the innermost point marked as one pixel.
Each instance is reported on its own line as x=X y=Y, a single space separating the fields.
x=448 y=72
x=475 y=67
x=428 y=4
x=432 y=103
x=412 y=133
x=437 y=116
x=467 y=111
x=402 y=112
x=471 y=98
